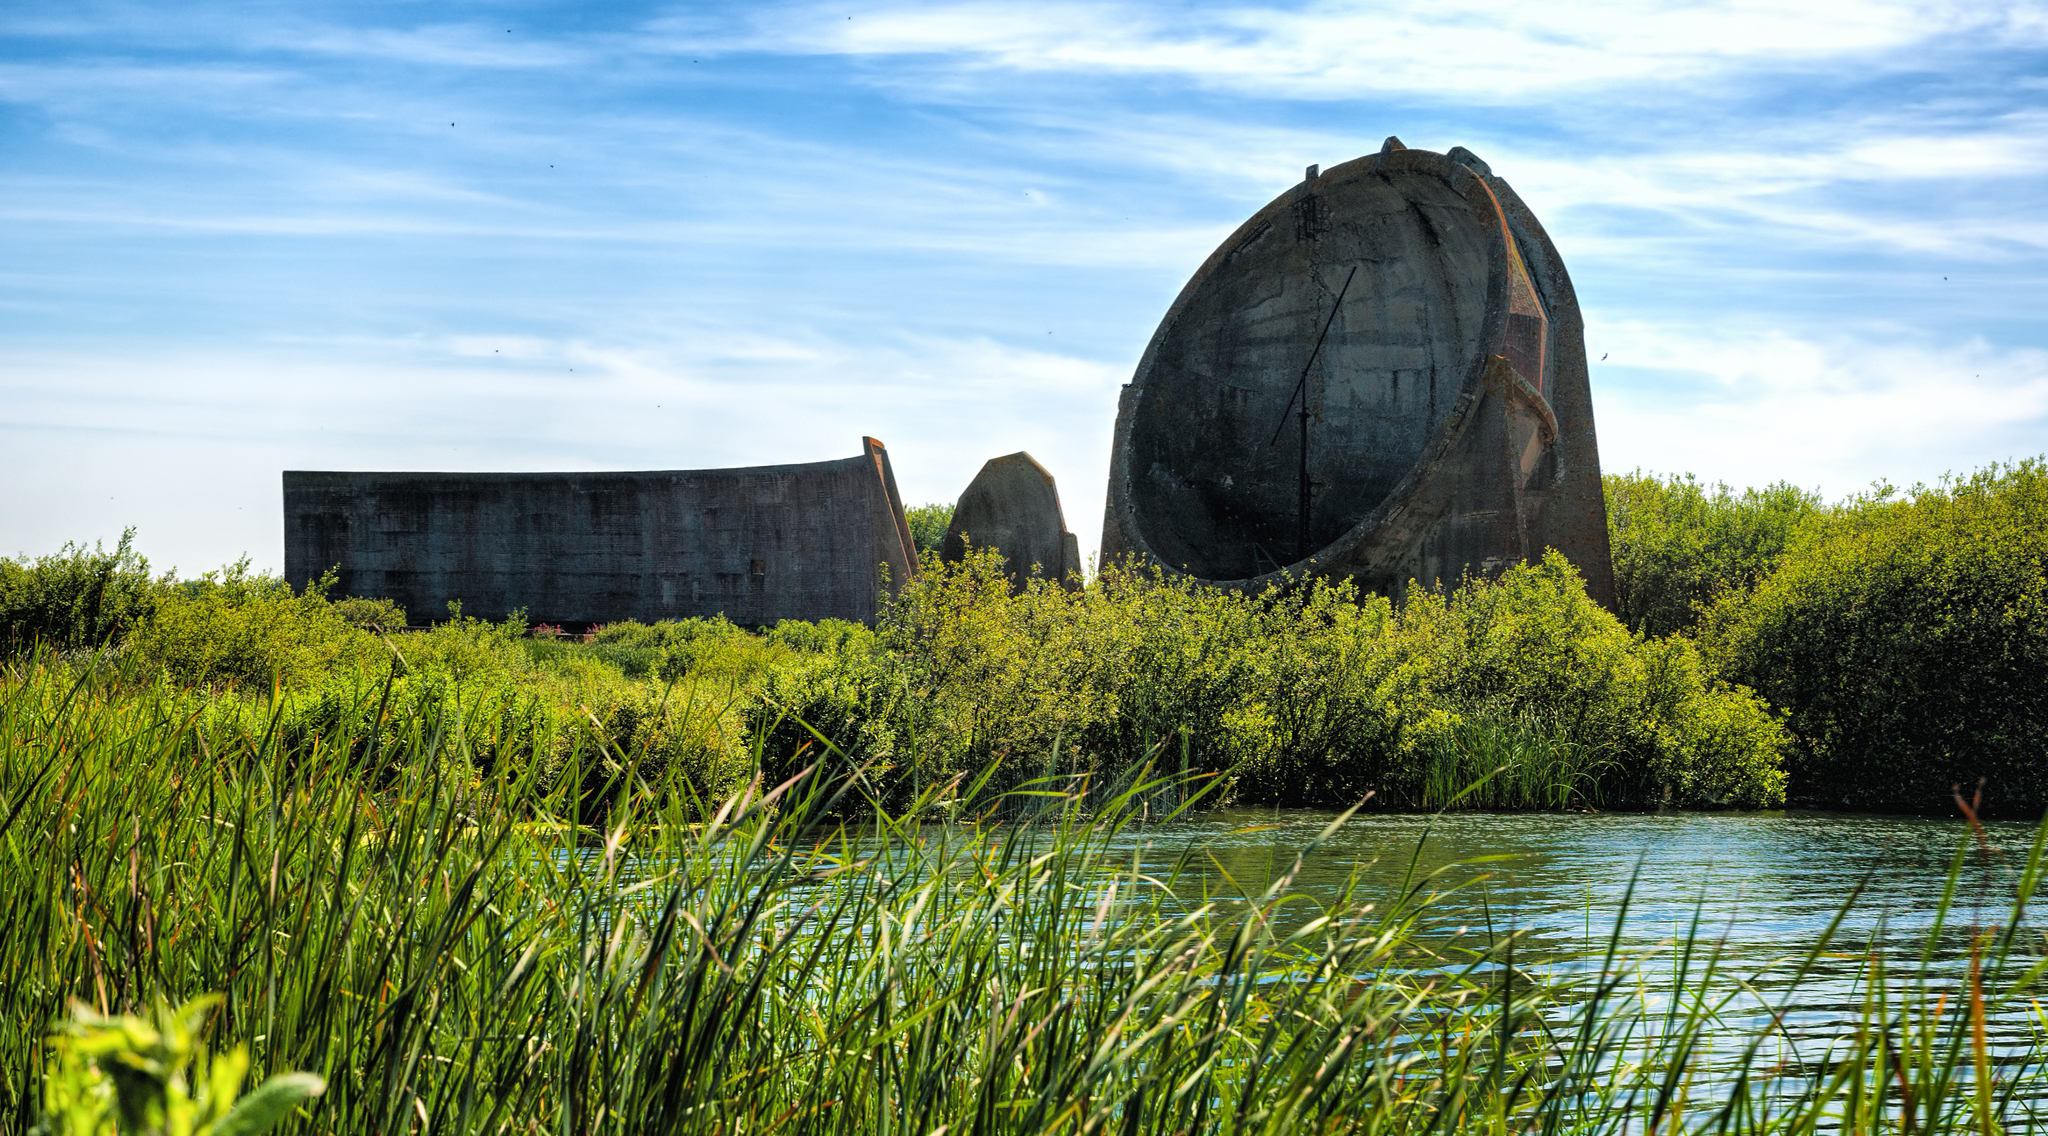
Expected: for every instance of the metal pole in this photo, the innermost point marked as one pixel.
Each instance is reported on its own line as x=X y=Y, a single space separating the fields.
x=1301 y=392
x=1301 y=544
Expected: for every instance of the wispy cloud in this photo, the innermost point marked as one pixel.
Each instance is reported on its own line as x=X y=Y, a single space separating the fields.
x=240 y=238
x=1473 y=52
x=523 y=402
x=439 y=45
x=1757 y=404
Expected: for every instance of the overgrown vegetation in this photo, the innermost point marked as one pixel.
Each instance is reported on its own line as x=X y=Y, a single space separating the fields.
x=1315 y=694
x=1902 y=635
x=1306 y=695
x=1873 y=653
x=76 y=600
x=150 y=1075
x=824 y=878
x=1680 y=545
x=1907 y=640
x=451 y=951
x=928 y=525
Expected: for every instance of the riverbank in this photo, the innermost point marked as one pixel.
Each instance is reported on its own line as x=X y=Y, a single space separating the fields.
x=1518 y=692
x=1060 y=961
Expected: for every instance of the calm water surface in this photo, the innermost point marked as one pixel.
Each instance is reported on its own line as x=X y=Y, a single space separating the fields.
x=1763 y=886
x=1768 y=882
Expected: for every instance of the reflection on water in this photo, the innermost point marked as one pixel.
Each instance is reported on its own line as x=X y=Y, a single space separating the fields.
x=1769 y=882
x=1764 y=887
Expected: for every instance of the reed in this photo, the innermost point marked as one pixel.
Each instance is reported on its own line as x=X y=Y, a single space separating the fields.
x=1511 y=762
x=456 y=951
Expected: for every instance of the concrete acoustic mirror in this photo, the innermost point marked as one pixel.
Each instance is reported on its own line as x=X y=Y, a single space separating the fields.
x=1380 y=375
x=1013 y=505
x=758 y=544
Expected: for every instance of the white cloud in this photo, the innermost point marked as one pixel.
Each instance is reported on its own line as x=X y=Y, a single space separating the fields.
x=436 y=45
x=1755 y=405
x=190 y=446
x=1477 y=51
x=1872 y=184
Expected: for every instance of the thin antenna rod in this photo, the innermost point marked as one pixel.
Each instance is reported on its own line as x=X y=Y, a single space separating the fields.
x=1301 y=393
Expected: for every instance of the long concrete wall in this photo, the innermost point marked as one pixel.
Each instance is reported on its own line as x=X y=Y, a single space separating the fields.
x=756 y=544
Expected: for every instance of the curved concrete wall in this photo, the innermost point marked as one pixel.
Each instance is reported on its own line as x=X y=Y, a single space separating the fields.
x=1450 y=428
x=756 y=544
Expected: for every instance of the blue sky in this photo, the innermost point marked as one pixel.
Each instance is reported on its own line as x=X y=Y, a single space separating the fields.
x=1810 y=240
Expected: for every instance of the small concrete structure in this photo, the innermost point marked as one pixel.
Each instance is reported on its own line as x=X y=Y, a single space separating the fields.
x=1380 y=375
x=756 y=544
x=1013 y=505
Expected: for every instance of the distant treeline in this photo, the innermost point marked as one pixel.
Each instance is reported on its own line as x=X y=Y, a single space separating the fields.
x=1869 y=653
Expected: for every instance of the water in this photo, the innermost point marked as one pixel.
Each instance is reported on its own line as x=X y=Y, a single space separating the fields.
x=1762 y=888
x=1767 y=882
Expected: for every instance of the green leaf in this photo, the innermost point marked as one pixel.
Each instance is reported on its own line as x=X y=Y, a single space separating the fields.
x=273 y=1101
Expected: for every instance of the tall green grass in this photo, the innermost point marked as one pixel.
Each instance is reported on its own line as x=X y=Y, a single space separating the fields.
x=1503 y=762
x=456 y=951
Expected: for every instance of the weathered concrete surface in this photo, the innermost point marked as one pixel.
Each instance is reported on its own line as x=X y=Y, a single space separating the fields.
x=1014 y=505
x=1450 y=421
x=756 y=544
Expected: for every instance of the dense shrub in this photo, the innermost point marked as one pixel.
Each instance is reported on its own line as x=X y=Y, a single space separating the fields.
x=964 y=673
x=371 y=614
x=1908 y=641
x=76 y=599
x=259 y=656
x=1678 y=544
x=825 y=636
x=1533 y=646
x=468 y=649
x=472 y=690
x=928 y=525
x=235 y=626
x=673 y=648
x=1312 y=693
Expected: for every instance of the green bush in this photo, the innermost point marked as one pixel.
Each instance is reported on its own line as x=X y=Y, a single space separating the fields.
x=665 y=702
x=634 y=634
x=716 y=646
x=76 y=600
x=491 y=710
x=673 y=648
x=465 y=648
x=371 y=614
x=1678 y=544
x=1907 y=639
x=237 y=627
x=826 y=636
x=1305 y=694
x=928 y=525
x=1533 y=646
